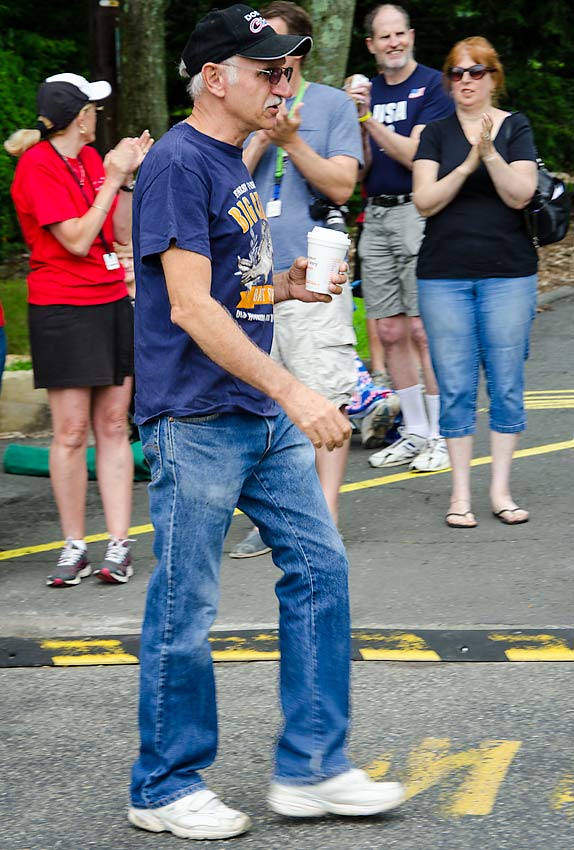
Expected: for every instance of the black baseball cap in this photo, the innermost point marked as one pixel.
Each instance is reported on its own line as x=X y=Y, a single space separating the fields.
x=238 y=31
x=61 y=97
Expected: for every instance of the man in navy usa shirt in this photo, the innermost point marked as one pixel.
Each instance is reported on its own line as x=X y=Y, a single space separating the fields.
x=393 y=110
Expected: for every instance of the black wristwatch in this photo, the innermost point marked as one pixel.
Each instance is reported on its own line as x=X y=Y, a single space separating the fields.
x=129 y=187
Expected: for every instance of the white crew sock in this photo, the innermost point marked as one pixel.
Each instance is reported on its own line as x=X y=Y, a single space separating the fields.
x=79 y=544
x=413 y=410
x=433 y=411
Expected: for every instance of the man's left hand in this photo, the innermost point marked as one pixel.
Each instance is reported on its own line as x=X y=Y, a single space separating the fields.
x=296 y=282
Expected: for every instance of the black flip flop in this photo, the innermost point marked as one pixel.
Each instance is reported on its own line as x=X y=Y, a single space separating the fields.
x=457 y=524
x=500 y=518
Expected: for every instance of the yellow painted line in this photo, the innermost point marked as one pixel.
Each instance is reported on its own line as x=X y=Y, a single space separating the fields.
x=346 y=488
x=535 y=647
x=93 y=660
x=483 y=770
x=402 y=646
x=82 y=654
x=398 y=655
x=562 y=799
x=477 y=461
x=379 y=767
x=244 y=655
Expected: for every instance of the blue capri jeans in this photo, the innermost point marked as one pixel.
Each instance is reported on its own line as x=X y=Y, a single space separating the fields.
x=469 y=322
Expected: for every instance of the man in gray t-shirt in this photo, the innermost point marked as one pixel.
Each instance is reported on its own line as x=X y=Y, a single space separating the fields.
x=311 y=157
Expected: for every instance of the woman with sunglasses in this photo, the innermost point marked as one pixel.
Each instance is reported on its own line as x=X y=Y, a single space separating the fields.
x=71 y=207
x=474 y=173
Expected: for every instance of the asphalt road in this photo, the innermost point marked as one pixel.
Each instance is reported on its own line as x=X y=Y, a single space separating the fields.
x=486 y=749
x=486 y=752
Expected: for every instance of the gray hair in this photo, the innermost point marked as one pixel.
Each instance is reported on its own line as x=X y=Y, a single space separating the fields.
x=195 y=86
x=370 y=17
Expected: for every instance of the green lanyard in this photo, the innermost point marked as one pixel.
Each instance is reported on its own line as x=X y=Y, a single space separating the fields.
x=281 y=155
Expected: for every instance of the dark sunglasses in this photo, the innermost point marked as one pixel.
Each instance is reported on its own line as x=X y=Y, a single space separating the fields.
x=475 y=72
x=274 y=74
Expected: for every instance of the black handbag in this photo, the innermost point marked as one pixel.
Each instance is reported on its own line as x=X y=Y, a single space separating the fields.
x=547 y=216
x=548 y=213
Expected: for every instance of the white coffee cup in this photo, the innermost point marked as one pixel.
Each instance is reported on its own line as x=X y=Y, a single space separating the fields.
x=355 y=80
x=326 y=250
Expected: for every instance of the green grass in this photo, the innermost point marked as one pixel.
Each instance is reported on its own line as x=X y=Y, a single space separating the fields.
x=361 y=329
x=13 y=296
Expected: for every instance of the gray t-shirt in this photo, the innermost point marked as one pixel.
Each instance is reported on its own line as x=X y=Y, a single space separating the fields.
x=329 y=125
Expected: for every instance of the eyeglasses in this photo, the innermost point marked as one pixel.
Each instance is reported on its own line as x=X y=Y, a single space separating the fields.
x=273 y=74
x=475 y=72
x=93 y=106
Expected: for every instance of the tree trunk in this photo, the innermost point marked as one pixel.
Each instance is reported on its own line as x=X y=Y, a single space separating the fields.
x=332 y=27
x=142 y=80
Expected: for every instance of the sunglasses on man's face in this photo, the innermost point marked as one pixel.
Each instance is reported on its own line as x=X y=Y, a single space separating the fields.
x=475 y=72
x=274 y=74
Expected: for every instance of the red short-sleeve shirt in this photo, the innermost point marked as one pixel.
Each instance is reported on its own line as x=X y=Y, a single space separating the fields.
x=45 y=192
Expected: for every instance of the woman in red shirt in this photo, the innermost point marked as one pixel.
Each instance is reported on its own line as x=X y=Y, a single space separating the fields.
x=71 y=207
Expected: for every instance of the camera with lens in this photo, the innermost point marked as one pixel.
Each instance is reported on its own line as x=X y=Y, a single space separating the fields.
x=332 y=215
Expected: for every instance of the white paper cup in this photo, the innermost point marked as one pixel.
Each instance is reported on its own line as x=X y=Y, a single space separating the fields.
x=355 y=80
x=326 y=249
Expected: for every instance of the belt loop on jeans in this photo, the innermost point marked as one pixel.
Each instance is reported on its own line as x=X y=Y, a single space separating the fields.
x=389 y=200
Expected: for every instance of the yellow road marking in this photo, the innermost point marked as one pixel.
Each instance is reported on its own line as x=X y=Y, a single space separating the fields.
x=379 y=767
x=563 y=797
x=346 y=488
x=535 y=647
x=244 y=655
x=81 y=652
x=401 y=646
x=485 y=768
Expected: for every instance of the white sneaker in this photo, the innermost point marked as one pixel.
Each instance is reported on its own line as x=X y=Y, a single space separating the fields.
x=200 y=815
x=351 y=793
x=402 y=451
x=433 y=457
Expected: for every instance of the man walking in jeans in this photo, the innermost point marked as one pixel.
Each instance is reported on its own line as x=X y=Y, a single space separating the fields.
x=404 y=96
x=215 y=437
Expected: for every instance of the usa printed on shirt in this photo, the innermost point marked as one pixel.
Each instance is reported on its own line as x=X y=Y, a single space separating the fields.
x=416 y=92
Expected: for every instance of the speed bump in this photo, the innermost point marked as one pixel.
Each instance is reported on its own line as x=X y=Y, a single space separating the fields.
x=404 y=645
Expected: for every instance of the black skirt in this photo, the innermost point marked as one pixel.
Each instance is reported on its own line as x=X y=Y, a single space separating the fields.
x=91 y=346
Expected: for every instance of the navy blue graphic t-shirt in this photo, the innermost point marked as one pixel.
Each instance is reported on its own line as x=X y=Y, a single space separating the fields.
x=195 y=192
x=418 y=100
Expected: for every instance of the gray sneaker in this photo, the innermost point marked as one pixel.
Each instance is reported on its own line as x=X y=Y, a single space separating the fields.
x=116 y=567
x=250 y=546
x=72 y=567
x=379 y=420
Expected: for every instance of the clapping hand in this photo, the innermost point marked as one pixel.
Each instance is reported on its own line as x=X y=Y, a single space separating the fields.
x=484 y=144
x=127 y=155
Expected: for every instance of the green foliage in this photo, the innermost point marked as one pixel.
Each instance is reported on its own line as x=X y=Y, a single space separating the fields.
x=26 y=58
x=17 y=95
x=13 y=294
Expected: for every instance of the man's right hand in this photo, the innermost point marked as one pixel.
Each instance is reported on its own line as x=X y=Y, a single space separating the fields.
x=320 y=420
x=361 y=94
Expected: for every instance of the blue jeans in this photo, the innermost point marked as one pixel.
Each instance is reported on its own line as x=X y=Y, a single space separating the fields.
x=201 y=468
x=469 y=322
